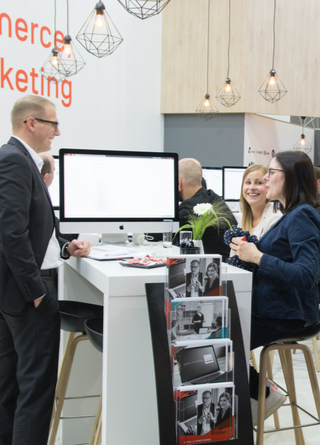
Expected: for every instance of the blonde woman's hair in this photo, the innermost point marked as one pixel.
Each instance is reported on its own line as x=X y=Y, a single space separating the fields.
x=247 y=217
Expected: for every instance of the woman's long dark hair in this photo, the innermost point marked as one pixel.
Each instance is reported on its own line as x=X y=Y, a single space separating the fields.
x=300 y=186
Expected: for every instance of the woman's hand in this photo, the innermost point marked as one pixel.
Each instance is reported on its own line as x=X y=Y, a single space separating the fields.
x=246 y=251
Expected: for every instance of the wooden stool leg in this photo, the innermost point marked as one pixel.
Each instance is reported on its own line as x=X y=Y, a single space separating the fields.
x=62 y=382
x=95 y=437
x=253 y=361
x=262 y=394
x=270 y=358
x=289 y=379
x=312 y=376
x=316 y=354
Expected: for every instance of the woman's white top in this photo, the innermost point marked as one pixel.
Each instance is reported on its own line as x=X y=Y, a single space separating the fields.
x=269 y=217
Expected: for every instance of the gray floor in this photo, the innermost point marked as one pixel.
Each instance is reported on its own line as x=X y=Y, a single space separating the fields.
x=304 y=398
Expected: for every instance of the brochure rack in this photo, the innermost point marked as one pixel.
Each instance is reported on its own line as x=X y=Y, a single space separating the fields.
x=162 y=364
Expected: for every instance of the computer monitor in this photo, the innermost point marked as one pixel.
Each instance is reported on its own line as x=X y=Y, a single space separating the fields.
x=117 y=191
x=232 y=179
x=213 y=178
x=54 y=187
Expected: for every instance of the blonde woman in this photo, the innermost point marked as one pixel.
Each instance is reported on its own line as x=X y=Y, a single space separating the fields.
x=257 y=211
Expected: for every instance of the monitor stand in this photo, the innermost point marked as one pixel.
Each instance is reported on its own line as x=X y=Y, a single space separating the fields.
x=108 y=238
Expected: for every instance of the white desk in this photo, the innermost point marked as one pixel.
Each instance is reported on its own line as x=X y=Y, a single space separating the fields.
x=129 y=397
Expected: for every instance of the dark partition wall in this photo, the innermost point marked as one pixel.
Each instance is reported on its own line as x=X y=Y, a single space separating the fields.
x=214 y=143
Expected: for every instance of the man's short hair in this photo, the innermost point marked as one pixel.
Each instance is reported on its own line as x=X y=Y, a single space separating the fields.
x=28 y=106
x=46 y=167
x=190 y=171
x=195 y=261
x=317 y=172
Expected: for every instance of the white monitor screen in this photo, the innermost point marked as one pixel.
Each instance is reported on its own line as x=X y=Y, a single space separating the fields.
x=112 y=186
x=232 y=179
x=213 y=178
x=54 y=187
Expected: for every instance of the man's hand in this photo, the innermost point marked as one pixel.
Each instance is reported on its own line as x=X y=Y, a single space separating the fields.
x=79 y=248
x=37 y=302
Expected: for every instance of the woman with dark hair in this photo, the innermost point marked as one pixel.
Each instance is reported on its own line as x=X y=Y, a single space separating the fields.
x=223 y=409
x=211 y=279
x=284 y=294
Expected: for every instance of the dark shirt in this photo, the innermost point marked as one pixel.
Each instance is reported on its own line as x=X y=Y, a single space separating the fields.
x=212 y=238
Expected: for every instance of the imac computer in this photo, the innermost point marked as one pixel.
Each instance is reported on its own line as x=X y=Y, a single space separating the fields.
x=213 y=178
x=54 y=187
x=117 y=192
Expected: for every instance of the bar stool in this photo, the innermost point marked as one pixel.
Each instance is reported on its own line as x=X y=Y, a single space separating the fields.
x=284 y=348
x=94 y=331
x=73 y=315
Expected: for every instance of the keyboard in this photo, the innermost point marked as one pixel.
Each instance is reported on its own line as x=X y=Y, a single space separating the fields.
x=207 y=379
x=191 y=422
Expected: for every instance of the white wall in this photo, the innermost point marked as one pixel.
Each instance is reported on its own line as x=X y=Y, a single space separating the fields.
x=115 y=100
x=264 y=135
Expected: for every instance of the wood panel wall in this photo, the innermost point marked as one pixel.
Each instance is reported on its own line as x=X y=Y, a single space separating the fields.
x=297 y=54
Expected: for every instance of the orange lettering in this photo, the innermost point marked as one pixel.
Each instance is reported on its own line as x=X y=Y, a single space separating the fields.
x=59 y=40
x=9 y=23
x=22 y=79
x=21 y=28
x=33 y=26
x=45 y=28
x=67 y=83
x=5 y=76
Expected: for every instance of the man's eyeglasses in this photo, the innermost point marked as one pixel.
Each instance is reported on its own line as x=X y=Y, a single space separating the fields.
x=270 y=170
x=55 y=124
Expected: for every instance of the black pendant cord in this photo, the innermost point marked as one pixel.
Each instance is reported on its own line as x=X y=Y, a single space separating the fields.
x=54 y=24
x=67 y=17
x=208 y=46
x=229 y=38
x=274 y=32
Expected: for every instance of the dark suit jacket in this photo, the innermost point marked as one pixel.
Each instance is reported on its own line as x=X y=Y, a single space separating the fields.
x=199 y=414
x=212 y=238
x=26 y=225
x=188 y=281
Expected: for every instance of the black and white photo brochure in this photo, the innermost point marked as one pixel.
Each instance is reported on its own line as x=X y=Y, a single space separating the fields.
x=198 y=318
x=201 y=362
x=194 y=276
x=205 y=413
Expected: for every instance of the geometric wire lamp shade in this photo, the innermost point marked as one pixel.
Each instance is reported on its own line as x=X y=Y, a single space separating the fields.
x=272 y=88
x=206 y=109
x=144 y=9
x=98 y=35
x=70 y=61
x=50 y=67
x=302 y=144
x=228 y=95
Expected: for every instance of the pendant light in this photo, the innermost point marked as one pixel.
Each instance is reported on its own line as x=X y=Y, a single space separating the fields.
x=302 y=143
x=206 y=108
x=98 y=35
x=272 y=89
x=228 y=95
x=70 y=61
x=143 y=9
x=49 y=69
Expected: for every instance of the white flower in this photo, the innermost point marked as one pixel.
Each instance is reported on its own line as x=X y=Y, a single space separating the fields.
x=201 y=209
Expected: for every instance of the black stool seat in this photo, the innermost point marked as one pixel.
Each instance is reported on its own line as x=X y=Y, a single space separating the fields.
x=74 y=313
x=304 y=334
x=94 y=331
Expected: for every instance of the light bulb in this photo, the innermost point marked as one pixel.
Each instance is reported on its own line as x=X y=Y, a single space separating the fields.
x=302 y=141
x=272 y=80
x=67 y=49
x=228 y=87
x=206 y=103
x=99 y=22
x=54 y=61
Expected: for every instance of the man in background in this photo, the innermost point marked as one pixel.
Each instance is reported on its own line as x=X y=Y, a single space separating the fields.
x=29 y=257
x=47 y=173
x=192 y=193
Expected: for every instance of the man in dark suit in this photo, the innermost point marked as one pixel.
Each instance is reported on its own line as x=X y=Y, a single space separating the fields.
x=29 y=257
x=192 y=193
x=194 y=284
